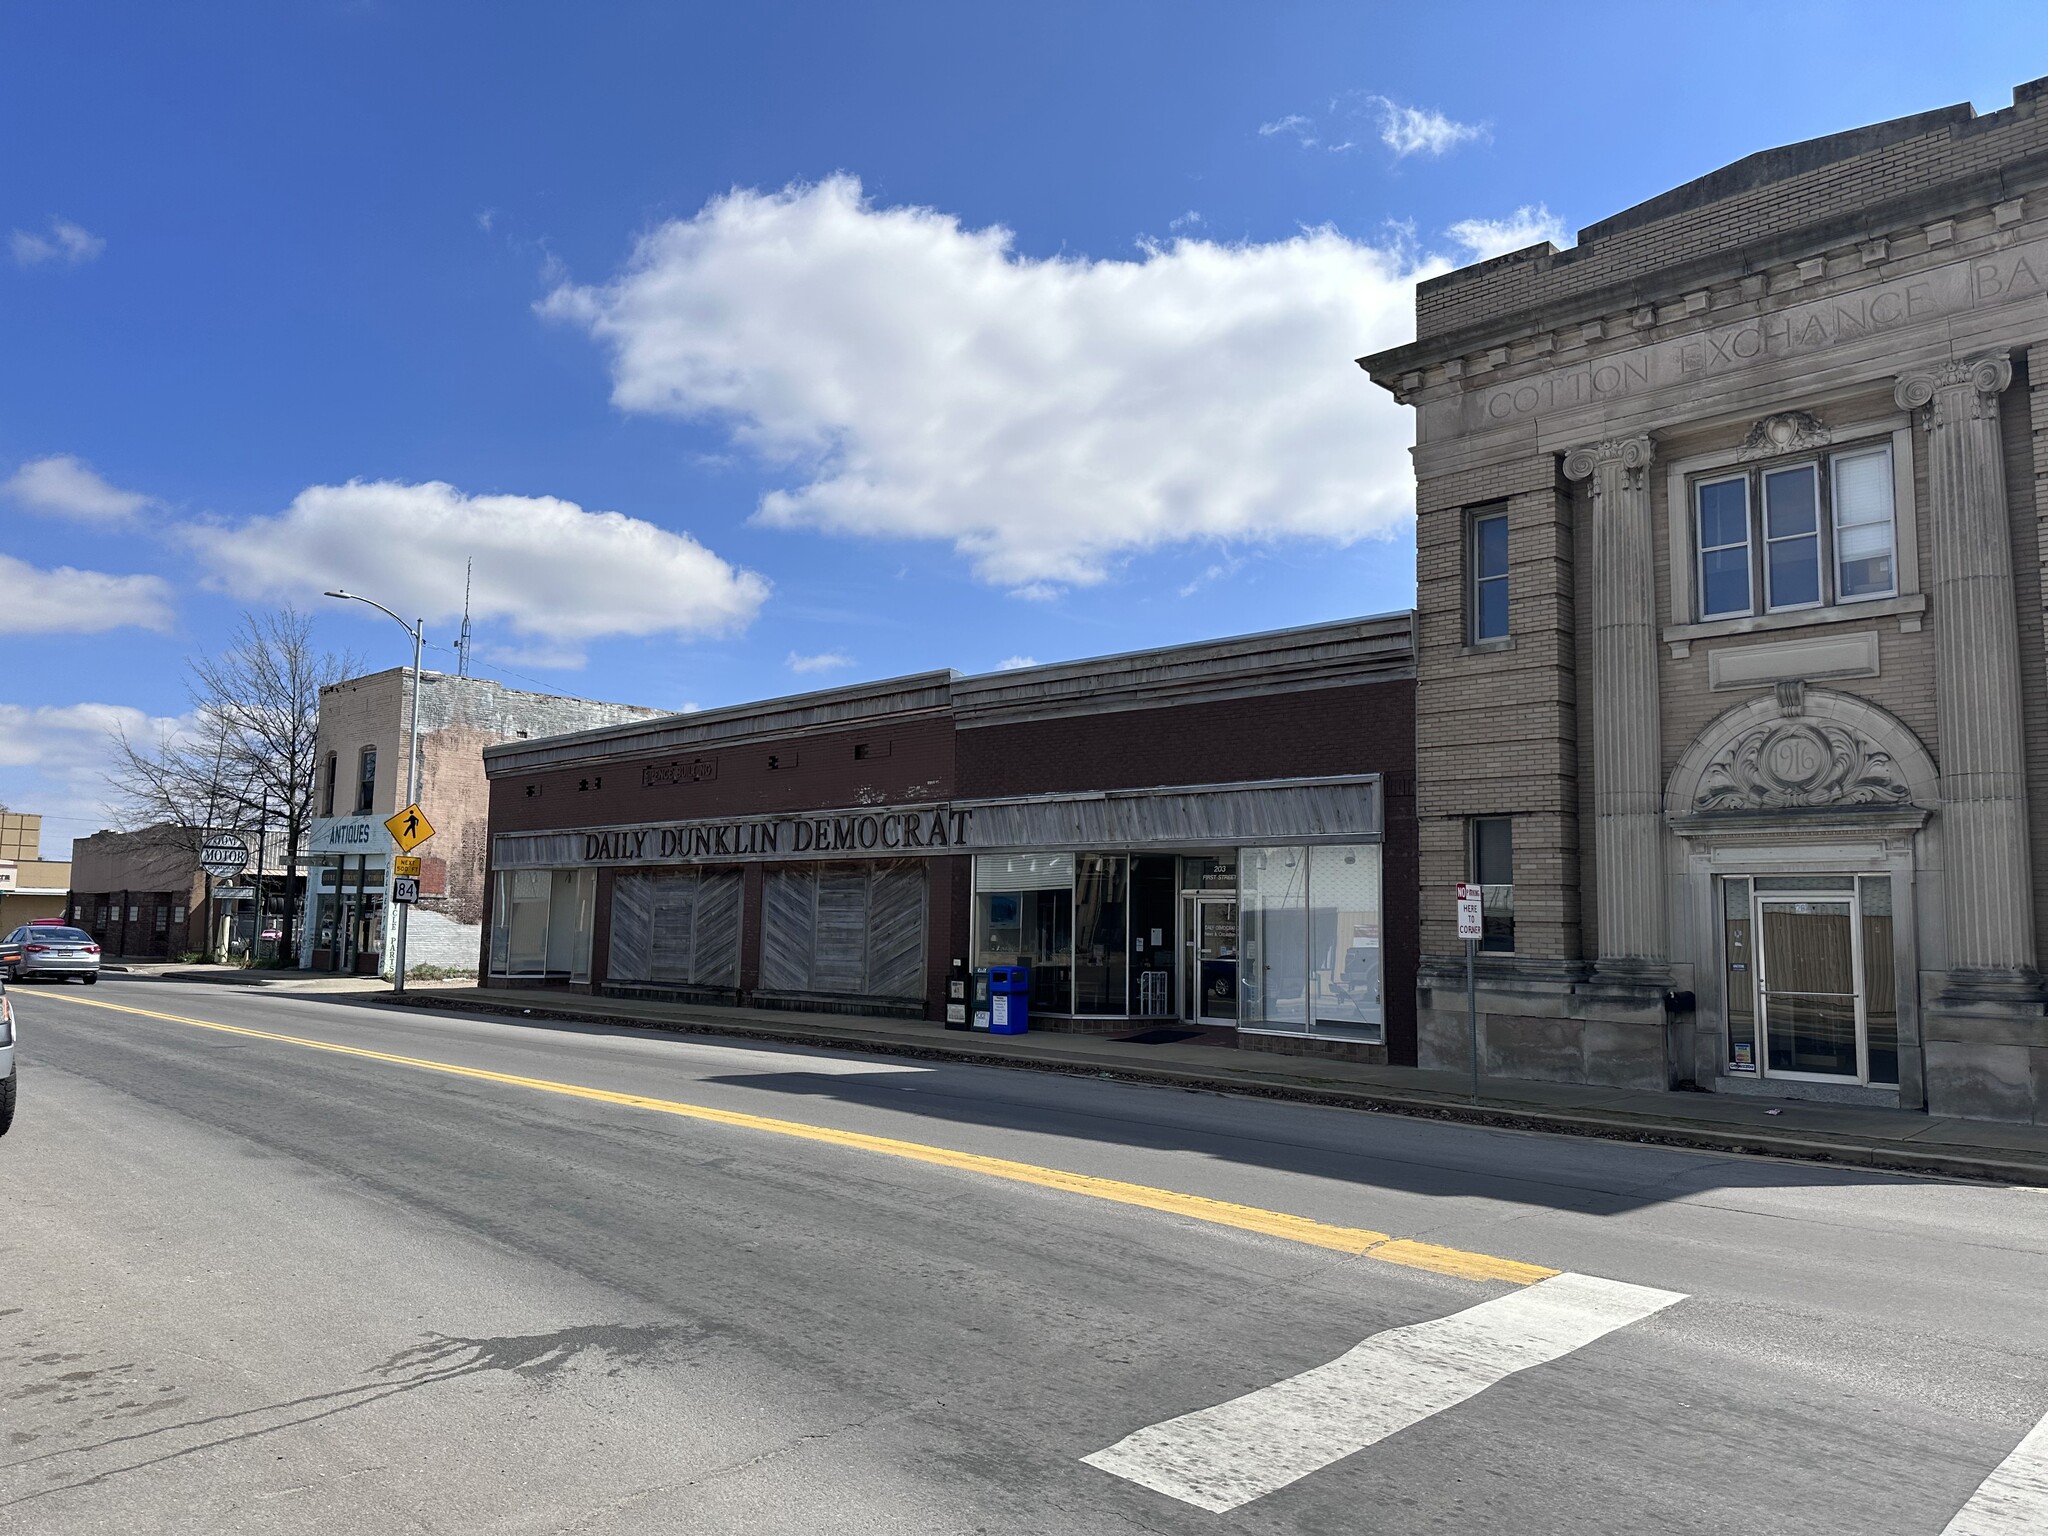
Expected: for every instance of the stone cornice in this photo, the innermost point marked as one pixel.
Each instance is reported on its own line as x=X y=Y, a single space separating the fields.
x=1816 y=261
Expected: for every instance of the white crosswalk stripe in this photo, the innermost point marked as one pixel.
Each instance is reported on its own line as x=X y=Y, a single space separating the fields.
x=2013 y=1501
x=1221 y=1457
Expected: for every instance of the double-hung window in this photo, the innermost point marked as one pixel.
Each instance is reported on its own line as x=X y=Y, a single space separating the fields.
x=1486 y=575
x=366 y=781
x=1783 y=537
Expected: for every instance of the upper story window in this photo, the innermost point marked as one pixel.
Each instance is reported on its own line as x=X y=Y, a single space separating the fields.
x=1486 y=576
x=327 y=796
x=366 y=782
x=1781 y=537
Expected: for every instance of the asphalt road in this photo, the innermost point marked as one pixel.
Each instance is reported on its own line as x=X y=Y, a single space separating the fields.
x=249 y=1285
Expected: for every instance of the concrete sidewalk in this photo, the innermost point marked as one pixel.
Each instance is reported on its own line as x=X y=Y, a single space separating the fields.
x=1870 y=1138
x=266 y=976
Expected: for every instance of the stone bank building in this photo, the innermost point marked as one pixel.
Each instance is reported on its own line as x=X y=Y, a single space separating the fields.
x=1731 y=683
x=1213 y=840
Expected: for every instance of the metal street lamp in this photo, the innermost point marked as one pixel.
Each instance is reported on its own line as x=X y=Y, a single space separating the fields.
x=418 y=630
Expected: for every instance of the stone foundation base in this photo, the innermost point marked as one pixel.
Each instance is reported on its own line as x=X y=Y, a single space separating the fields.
x=1551 y=1023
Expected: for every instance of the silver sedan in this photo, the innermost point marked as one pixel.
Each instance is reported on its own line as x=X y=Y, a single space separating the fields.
x=43 y=949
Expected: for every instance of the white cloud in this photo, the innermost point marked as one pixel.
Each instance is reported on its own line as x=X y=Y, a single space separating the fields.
x=69 y=487
x=546 y=570
x=1217 y=571
x=1013 y=663
x=65 y=601
x=824 y=661
x=1047 y=417
x=1526 y=226
x=54 y=759
x=66 y=242
x=1419 y=130
x=1187 y=220
x=1294 y=125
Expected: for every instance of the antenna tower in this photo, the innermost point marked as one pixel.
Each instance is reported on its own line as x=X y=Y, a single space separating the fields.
x=462 y=641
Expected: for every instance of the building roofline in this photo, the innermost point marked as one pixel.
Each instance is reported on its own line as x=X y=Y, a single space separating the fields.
x=1751 y=174
x=1310 y=655
x=429 y=675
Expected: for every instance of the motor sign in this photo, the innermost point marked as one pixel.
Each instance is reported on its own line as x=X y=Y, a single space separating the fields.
x=405 y=890
x=224 y=855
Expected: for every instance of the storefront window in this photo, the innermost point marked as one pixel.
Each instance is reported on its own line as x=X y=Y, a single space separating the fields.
x=1344 y=935
x=1273 y=929
x=1024 y=915
x=1311 y=924
x=541 y=922
x=1101 y=914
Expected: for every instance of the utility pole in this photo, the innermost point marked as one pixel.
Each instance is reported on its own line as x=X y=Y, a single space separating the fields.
x=418 y=630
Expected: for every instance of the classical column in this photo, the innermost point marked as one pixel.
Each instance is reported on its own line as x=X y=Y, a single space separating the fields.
x=1977 y=679
x=1628 y=774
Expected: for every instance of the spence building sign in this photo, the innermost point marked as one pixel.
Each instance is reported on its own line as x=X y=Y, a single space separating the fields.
x=884 y=832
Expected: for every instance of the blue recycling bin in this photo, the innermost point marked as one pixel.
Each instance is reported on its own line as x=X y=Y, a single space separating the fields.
x=1009 y=999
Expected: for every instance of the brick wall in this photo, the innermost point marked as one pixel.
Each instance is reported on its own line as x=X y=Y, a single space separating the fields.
x=909 y=760
x=1497 y=725
x=1844 y=189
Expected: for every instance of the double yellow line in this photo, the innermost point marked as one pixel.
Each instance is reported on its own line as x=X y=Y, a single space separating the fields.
x=1222 y=1213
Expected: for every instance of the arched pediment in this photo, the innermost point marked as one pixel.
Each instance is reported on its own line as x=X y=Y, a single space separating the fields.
x=1802 y=750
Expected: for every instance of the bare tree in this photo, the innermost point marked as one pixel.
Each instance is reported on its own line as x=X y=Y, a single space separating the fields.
x=249 y=762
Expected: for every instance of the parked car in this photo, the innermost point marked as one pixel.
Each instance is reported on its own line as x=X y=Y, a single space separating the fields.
x=6 y=1059
x=40 y=949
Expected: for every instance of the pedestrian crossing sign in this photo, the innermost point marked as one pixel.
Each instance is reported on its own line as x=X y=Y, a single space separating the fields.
x=409 y=828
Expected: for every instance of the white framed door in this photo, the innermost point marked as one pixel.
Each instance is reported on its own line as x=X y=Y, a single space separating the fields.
x=1811 y=1002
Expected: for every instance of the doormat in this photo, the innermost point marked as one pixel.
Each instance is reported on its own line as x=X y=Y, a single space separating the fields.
x=1160 y=1036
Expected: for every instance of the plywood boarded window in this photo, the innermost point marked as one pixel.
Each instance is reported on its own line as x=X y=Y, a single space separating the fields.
x=847 y=929
x=681 y=928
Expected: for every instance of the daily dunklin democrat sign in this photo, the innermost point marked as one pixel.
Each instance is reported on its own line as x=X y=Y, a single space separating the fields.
x=884 y=832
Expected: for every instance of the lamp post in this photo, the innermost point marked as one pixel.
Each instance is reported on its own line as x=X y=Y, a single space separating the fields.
x=418 y=630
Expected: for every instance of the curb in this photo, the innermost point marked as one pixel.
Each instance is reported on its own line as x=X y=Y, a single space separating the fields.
x=1937 y=1160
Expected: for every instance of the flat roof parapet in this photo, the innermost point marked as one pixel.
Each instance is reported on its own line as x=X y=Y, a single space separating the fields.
x=1743 y=214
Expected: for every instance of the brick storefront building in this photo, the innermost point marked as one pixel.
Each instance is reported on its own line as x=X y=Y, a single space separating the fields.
x=360 y=757
x=1216 y=836
x=1731 y=677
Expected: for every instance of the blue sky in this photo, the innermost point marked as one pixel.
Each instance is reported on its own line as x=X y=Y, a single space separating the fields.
x=756 y=348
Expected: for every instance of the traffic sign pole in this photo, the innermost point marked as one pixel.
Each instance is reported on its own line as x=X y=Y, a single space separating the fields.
x=418 y=630
x=1471 y=925
x=412 y=790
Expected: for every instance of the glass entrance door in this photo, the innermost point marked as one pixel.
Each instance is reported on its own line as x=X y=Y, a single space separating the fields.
x=1809 y=998
x=1209 y=978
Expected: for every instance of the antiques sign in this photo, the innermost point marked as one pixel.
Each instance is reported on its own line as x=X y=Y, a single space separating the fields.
x=881 y=832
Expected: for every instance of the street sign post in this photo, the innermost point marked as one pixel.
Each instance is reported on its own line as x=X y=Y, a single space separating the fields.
x=1471 y=927
x=405 y=889
x=409 y=828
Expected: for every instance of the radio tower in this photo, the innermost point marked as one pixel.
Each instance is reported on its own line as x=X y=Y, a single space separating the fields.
x=462 y=641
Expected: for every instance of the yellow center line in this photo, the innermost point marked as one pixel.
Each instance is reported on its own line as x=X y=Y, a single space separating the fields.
x=1222 y=1213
